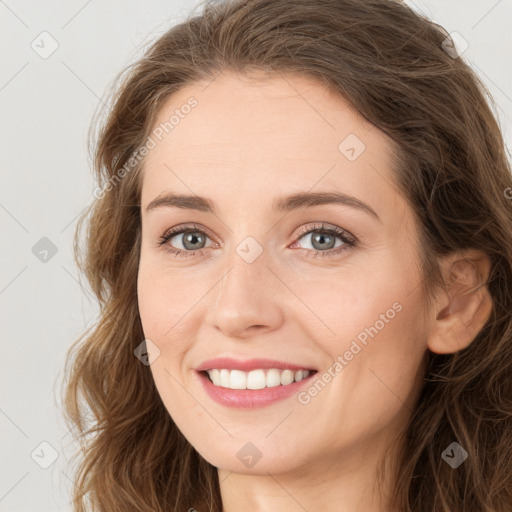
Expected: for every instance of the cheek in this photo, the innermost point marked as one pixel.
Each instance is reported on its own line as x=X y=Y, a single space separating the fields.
x=168 y=302
x=344 y=302
x=165 y=296
x=152 y=302
x=162 y=308
x=376 y=382
x=377 y=335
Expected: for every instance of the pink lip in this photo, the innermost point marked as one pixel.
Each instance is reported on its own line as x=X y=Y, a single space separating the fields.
x=246 y=366
x=249 y=398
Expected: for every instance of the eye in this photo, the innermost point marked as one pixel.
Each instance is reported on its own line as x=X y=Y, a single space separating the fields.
x=190 y=238
x=323 y=241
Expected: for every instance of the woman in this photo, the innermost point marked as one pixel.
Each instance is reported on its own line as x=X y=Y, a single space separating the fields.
x=301 y=245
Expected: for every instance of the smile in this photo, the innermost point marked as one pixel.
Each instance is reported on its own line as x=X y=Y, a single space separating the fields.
x=255 y=379
x=253 y=390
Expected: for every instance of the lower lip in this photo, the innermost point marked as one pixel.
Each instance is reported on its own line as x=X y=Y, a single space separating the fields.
x=250 y=398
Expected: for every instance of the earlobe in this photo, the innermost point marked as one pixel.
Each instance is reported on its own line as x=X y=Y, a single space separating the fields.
x=464 y=305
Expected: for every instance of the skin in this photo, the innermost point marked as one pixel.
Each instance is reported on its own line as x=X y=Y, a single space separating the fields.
x=249 y=141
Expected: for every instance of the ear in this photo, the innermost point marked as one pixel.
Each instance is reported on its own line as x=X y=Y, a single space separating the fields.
x=464 y=305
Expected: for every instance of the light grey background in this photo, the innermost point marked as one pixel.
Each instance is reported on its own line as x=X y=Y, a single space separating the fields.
x=46 y=108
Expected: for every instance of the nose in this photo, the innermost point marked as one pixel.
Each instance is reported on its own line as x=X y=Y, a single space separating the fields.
x=247 y=299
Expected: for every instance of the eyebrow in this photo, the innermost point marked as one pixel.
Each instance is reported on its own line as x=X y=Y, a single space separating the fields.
x=280 y=205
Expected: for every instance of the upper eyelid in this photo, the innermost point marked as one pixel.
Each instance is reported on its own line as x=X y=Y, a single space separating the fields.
x=340 y=232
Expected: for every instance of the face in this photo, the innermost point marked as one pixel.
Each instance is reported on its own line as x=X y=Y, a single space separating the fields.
x=272 y=282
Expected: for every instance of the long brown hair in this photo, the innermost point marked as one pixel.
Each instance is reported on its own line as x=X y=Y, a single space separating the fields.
x=390 y=64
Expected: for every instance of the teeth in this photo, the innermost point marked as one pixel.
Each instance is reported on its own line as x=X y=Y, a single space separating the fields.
x=287 y=377
x=237 y=380
x=255 y=379
x=224 y=378
x=273 y=378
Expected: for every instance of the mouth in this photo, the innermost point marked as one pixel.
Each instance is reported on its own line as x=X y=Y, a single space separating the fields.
x=260 y=378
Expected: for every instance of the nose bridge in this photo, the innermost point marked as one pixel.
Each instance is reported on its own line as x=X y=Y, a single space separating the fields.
x=245 y=296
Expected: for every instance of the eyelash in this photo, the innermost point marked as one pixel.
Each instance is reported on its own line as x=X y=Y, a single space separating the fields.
x=349 y=241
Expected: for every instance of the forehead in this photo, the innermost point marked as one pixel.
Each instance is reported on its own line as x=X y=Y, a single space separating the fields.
x=248 y=136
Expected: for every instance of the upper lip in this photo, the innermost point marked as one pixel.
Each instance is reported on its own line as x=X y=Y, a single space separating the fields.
x=248 y=365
